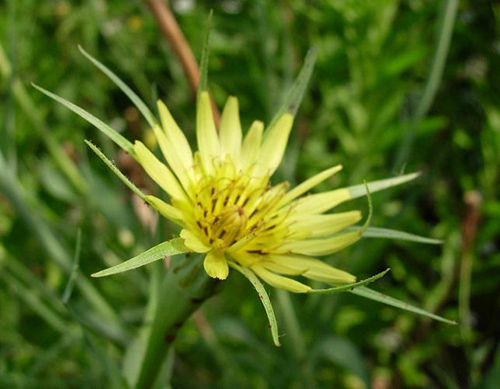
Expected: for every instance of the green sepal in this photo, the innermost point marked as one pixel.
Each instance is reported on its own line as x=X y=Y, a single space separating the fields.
x=368 y=293
x=385 y=233
x=172 y=247
x=349 y=287
x=205 y=52
x=115 y=170
x=99 y=124
x=294 y=96
x=141 y=106
x=376 y=186
x=264 y=297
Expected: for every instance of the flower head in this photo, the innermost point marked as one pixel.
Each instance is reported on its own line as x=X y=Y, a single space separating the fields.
x=222 y=197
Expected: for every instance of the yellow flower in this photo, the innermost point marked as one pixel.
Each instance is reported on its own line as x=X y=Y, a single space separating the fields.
x=222 y=198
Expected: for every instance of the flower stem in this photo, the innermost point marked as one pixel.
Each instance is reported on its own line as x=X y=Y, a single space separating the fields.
x=184 y=288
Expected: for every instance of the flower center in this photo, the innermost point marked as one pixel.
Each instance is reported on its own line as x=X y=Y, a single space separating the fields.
x=228 y=226
x=230 y=205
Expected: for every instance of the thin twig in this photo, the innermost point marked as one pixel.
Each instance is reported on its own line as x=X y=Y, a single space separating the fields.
x=470 y=223
x=172 y=32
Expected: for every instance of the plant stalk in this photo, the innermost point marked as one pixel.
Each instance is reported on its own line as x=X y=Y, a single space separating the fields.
x=184 y=288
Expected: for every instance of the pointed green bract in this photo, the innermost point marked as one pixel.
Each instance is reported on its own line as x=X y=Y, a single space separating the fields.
x=115 y=170
x=375 y=186
x=382 y=298
x=349 y=287
x=141 y=106
x=205 y=51
x=294 y=96
x=370 y=209
x=264 y=297
x=172 y=247
x=375 y=232
x=99 y=124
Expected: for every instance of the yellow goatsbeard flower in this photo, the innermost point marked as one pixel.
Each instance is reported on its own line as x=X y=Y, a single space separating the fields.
x=222 y=198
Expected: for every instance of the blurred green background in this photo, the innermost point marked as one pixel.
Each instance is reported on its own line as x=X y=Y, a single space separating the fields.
x=399 y=86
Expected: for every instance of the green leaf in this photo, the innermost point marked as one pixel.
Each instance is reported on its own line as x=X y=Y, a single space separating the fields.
x=264 y=297
x=100 y=125
x=382 y=298
x=294 y=96
x=375 y=186
x=349 y=287
x=141 y=106
x=375 y=232
x=115 y=170
x=172 y=247
x=205 y=51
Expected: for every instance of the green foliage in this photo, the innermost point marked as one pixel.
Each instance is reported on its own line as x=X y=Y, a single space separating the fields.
x=398 y=87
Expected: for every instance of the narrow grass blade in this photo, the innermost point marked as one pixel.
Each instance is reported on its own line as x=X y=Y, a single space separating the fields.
x=141 y=106
x=349 y=287
x=264 y=297
x=99 y=124
x=205 y=52
x=32 y=299
x=74 y=271
x=33 y=114
x=382 y=298
x=294 y=96
x=172 y=247
x=375 y=186
x=115 y=170
x=291 y=322
x=385 y=233
x=443 y=43
x=54 y=247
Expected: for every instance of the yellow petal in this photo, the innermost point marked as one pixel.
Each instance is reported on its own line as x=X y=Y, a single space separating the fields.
x=230 y=128
x=193 y=242
x=274 y=144
x=165 y=209
x=208 y=140
x=251 y=145
x=243 y=257
x=180 y=167
x=216 y=265
x=324 y=225
x=158 y=171
x=175 y=135
x=309 y=184
x=322 y=246
x=316 y=269
x=321 y=202
x=282 y=269
x=280 y=282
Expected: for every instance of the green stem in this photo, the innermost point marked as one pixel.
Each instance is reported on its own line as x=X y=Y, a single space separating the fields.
x=184 y=288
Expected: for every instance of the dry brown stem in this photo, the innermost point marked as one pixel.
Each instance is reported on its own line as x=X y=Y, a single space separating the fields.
x=171 y=31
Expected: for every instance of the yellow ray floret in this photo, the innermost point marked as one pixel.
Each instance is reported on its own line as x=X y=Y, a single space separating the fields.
x=222 y=197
